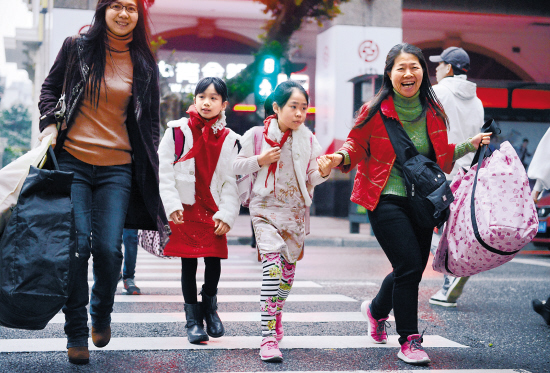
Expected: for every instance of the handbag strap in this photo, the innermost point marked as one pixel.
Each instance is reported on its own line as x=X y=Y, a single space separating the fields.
x=483 y=149
x=402 y=144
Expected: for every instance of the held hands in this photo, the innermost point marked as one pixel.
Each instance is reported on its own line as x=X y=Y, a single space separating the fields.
x=177 y=216
x=333 y=160
x=221 y=227
x=269 y=156
x=324 y=166
x=481 y=138
x=51 y=129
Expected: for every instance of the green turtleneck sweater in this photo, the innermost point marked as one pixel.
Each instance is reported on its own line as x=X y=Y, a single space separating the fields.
x=408 y=109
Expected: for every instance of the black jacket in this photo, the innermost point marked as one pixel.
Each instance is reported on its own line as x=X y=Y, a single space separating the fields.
x=145 y=210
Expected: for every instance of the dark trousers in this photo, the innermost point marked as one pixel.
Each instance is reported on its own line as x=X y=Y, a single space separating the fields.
x=212 y=271
x=100 y=196
x=407 y=247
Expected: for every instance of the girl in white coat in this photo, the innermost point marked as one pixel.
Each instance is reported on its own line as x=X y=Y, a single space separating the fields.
x=287 y=171
x=199 y=194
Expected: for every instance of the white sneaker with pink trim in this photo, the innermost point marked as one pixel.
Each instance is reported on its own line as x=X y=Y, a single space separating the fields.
x=269 y=350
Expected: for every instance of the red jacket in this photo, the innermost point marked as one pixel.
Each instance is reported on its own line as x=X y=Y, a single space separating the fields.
x=371 y=150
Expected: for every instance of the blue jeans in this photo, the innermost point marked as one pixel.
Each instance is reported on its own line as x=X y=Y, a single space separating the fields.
x=130 y=239
x=100 y=196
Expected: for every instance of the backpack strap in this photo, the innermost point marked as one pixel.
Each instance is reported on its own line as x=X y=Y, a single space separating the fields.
x=179 y=140
x=258 y=136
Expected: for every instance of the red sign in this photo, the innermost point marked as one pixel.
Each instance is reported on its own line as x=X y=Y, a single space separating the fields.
x=368 y=51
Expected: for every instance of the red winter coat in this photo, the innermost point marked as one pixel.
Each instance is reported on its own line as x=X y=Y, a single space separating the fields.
x=371 y=150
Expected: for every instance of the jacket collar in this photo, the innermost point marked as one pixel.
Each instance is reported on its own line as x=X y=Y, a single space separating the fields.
x=388 y=108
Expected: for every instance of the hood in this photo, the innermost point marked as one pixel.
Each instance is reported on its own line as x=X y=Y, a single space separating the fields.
x=460 y=87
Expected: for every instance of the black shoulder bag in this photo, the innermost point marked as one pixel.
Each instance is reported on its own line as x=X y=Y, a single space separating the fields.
x=427 y=189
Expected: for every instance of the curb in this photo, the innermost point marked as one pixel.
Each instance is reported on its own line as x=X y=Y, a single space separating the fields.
x=317 y=241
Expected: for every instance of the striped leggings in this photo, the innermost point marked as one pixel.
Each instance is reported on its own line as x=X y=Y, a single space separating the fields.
x=277 y=279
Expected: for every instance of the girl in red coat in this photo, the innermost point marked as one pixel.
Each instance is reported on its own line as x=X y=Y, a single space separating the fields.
x=199 y=193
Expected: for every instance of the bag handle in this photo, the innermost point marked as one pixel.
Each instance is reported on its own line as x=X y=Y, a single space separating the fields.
x=489 y=126
x=484 y=150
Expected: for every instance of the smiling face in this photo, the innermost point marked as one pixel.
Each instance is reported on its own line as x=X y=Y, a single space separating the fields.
x=122 y=22
x=406 y=74
x=293 y=114
x=209 y=103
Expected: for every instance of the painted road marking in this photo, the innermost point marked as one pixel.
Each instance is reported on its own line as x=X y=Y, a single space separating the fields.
x=232 y=298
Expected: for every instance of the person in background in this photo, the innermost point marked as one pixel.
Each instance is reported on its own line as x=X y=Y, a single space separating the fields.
x=523 y=153
x=109 y=79
x=379 y=186
x=130 y=239
x=465 y=112
x=539 y=170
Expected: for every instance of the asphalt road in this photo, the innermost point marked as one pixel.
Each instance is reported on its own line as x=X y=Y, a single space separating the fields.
x=492 y=329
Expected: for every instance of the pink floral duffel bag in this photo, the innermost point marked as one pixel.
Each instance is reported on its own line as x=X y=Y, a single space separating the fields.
x=492 y=217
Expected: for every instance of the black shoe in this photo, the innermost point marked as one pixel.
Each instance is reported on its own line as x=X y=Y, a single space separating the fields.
x=214 y=326
x=542 y=309
x=195 y=326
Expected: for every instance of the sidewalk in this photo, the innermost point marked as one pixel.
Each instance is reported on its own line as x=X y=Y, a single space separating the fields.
x=325 y=231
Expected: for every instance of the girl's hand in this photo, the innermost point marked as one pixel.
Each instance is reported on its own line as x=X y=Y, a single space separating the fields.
x=221 y=227
x=269 y=156
x=333 y=160
x=51 y=129
x=481 y=138
x=177 y=216
x=324 y=166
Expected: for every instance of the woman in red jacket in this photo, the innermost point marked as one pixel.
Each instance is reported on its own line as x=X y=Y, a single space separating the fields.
x=406 y=95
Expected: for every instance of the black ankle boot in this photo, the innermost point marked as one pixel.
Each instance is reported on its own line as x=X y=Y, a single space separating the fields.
x=214 y=326
x=195 y=326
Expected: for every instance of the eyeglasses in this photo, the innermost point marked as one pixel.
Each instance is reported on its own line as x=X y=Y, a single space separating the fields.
x=117 y=7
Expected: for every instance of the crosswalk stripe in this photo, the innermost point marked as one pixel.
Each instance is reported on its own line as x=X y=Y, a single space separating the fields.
x=224 y=343
x=177 y=266
x=543 y=263
x=125 y=318
x=200 y=275
x=233 y=298
x=409 y=371
x=221 y=284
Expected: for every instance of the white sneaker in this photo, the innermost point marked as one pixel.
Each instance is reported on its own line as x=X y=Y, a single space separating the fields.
x=448 y=295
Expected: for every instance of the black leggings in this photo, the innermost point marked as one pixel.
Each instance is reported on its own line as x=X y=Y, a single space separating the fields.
x=407 y=247
x=212 y=272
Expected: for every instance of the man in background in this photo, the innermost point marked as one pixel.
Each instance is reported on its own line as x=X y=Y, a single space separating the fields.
x=466 y=116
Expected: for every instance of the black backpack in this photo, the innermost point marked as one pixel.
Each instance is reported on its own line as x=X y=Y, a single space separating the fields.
x=427 y=188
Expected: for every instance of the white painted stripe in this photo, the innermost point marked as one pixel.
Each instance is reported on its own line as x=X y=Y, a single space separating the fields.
x=409 y=371
x=543 y=263
x=125 y=318
x=177 y=266
x=224 y=343
x=200 y=275
x=221 y=284
x=233 y=298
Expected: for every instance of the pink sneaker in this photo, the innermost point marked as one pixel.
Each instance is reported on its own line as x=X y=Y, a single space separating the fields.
x=279 y=333
x=412 y=351
x=269 y=350
x=377 y=328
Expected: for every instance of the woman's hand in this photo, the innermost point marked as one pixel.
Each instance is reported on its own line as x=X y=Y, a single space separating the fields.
x=221 y=227
x=269 y=156
x=51 y=129
x=333 y=160
x=324 y=166
x=177 y=216
x=483 y=138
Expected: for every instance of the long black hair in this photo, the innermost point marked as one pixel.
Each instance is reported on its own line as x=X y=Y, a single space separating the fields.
x=94 y=43
x=427 y=97
x=283 y=91
x=219 y=86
